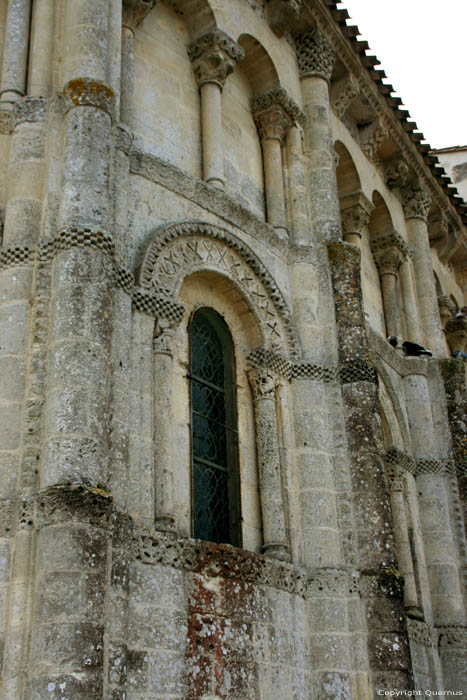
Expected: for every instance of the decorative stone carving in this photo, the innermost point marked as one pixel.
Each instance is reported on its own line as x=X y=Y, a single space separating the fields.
x=314 y=54
x=443 y=234
x=84 y=92
x=432 y=466
x=388 y=239
x=164 y=332
x=274 y=113
x=214 y=55
x=416 y=201
x=456 y=333
x=396 y=172
x=10 y=257
x=343 y=93
x=396 y=459
x=372 y=138
x=388 y=260
x=282 y=13
x=156 y=305
x=213 y=560
x=355 y=213
x=420 y=632
x=447 y=309
x=180 y=249
x=263 y=383
x=134 y=11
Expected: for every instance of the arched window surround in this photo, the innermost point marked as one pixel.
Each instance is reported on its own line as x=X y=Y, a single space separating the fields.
x=215 y=488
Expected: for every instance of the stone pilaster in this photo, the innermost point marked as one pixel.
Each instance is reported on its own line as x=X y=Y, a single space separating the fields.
x=274 y=114
x=416 y=203
x=15 y=51
x=263 y=384
x=214 y=56
x=315 y=62
x=454 y=376
x=380 y=586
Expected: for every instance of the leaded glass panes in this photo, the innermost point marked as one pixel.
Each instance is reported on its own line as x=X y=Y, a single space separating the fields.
x=214 y=431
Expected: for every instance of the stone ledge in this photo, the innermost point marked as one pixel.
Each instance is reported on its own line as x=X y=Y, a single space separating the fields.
x=205 y=196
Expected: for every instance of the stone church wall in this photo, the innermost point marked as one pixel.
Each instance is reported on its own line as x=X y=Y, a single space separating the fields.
x=159 y=157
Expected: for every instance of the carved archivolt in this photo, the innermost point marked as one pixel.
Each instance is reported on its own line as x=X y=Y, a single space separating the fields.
x=179 y=250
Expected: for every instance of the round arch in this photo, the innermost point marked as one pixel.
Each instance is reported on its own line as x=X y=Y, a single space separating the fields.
x=258 y=66
x=348 y=179
x=179 y=250
x=380 y=218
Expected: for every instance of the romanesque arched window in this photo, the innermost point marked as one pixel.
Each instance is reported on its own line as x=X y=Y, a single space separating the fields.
x=214 y=441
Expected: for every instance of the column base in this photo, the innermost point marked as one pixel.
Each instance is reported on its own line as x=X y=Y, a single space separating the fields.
x=414 y=613
x=276 y=551
x=216 y=182
x=165 y=524
x=9 y=97
x=282 y=232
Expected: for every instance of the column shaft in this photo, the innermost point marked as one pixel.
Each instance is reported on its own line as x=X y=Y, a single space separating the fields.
x=391 y=307
x=274 y=183
x=320 y=155
x=297 y=186
x=403 y=550
x=272 y=505
x=163 y=467
x=211 y=122
x=412 y=320
x=15 y=50
x=127 y=79
x=40 y=75
x=425 y=286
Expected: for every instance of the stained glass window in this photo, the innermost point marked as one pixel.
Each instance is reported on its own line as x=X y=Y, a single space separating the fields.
x=215 y=488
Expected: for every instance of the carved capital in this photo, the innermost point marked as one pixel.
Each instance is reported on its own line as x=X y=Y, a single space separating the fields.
x=355 y=213
x=214 y=55
x=372 y=138
x=389 y=251
x=388 y=260
x=416 y=201
x=343 y=93
x=134 y=11
x=282 y=13
x=263 y=383
x=315 y=55
x=164 y=334
x=274 y=113
x=396 y=172
x=84 y=92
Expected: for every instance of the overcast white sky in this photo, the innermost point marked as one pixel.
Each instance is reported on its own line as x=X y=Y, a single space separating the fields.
x=422 y=46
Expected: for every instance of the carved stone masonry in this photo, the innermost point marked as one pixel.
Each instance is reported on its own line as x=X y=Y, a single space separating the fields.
x=416 y=201
x=214 y=55
x=372 y=138
x=355 y=213
x=263 y=384
x=443 y=234
x=315 y=55
x=274 y=113
x=164 y=332
x=396 y=172
x=134 y=11
x=388 y=260
x=447 y=309
x=282 y=13
x=343 y=93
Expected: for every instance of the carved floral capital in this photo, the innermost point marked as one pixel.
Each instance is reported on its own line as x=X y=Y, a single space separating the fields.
x=314 y=54
x=274 y=113
x=416 y=201
x=388 y=260
x=214 y=55
x=355 y=213
x=134 y=11
x=282 y=13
